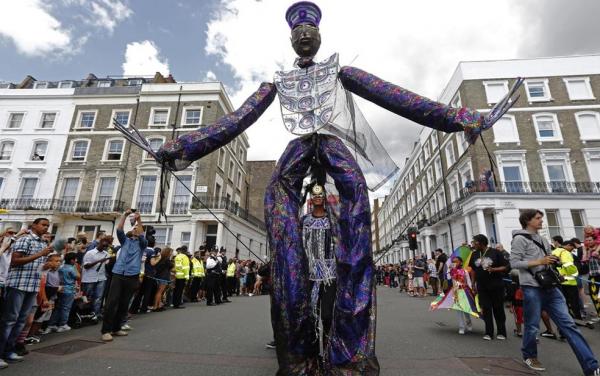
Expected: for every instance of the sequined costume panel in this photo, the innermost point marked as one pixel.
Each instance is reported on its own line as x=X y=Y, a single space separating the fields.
x=181 y=152
x=407 y=104
x=318 y=245
x=351 y=348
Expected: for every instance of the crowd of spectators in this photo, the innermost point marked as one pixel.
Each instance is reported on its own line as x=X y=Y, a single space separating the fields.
x=51 y=286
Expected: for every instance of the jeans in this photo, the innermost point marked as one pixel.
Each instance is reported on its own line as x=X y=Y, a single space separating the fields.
x=95 y=293
x=552 y=301
x=17 y=306
x=60 y=315
x=464 y=319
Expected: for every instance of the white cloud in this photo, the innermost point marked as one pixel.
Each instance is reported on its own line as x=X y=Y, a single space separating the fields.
x=416 y=45
x=108 y=13
x=210 y=76
x=33 y=30
x=143 y=59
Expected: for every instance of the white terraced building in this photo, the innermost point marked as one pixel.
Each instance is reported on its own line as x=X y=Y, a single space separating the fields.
x=544 y=154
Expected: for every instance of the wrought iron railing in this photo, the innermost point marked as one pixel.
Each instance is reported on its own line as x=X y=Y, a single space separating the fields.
x=63 y=206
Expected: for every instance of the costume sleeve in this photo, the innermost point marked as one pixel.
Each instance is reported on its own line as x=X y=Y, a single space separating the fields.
x=187 y=148
x=408 y=104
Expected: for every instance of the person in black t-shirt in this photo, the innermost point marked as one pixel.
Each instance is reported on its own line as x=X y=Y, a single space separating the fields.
x=440 y=266
x=488 y=267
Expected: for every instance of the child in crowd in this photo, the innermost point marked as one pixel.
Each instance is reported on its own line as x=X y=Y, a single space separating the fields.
x=516 y=302
x=68 y=277
x=47 y=296
x=460 y=297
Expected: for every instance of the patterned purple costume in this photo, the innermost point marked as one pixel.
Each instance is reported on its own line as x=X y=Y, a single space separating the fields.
x=351 y=348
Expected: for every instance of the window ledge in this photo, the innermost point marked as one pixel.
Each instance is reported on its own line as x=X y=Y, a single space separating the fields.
x=83 y=128
x=537 y=100
x=44 y=129
x=158 y=125
x=583 y=99
x=12 y=129
x=542 y=140
x=35 y=162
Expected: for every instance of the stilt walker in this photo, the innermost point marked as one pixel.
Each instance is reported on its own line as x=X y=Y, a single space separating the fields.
x=317 y=104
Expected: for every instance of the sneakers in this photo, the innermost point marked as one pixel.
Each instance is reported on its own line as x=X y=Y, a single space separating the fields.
x=3 y=364
x=596 y=372
x=461 y=331
x=51 y=329
x=487 y=337
x=120 y=333
x=270 y=345
x=107 y=337
x=500 y=337
x=13 y=357
x=32 y=340
x=549 y=334
x=126 y=327
x=63 y=328
x=469 y=327
x=534 y=364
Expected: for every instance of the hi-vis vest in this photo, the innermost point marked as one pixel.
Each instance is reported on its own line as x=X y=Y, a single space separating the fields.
x=231 y=270
x=567 y=270
x=182 y=266
x=197 y=268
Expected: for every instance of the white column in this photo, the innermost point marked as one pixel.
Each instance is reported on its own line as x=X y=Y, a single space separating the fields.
x=193 y=232
x=481 y=222
x=499 y=220
x=428 y=251
x=469 y=227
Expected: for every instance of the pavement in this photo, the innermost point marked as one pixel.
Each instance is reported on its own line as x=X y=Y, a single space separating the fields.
x=230 y=339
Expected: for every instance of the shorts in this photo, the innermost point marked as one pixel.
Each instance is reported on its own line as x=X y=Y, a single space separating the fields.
x=418 y=282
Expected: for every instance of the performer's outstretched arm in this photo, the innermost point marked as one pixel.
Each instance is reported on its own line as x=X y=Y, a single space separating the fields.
x=408 y=104
x=179 y=153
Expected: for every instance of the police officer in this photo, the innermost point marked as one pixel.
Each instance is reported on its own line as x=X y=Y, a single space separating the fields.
x=182 y=275
x=213 y=275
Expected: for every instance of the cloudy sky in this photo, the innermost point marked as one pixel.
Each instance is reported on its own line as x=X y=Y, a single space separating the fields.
x=416 y=44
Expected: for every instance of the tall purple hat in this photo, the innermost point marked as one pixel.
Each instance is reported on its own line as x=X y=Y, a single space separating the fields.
x=303 y=12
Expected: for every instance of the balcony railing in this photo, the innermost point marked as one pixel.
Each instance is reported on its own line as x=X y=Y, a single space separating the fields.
x=512 y=188
x=224 y=203
x=63 y=206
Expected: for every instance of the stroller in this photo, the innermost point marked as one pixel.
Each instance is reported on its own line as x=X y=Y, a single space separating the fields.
x=82 y=312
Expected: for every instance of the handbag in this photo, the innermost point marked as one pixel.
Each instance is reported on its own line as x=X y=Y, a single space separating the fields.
x=547 y=278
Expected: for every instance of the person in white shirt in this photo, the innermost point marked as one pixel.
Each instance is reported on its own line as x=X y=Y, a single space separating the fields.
x=93 y=277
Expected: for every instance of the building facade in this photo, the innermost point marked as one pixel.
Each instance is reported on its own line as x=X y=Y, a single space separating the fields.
x=544 y=153
x=100 y=174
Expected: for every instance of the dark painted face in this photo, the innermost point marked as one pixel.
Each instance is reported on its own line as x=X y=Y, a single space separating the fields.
x=306 y=40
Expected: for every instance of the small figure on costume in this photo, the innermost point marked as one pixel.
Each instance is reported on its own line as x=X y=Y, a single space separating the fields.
x=459 y=297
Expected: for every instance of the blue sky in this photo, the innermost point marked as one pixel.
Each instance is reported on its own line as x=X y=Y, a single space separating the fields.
x=176 y=28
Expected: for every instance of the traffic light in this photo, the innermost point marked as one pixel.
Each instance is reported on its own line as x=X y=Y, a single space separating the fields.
x=412 y=239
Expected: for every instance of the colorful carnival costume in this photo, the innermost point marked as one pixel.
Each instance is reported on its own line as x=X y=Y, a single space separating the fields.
x=460 y=297
x=317 y=104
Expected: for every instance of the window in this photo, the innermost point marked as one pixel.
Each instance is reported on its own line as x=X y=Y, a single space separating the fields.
x=578 y=222
x=79 y=150
x=495 y=90
x=65 y=85
x=6 y=150
x=547 y=128
x=557 y=168
x=438 y=169
x=114 y=150
x=192 y=116
x=40 y=85
x=181 y=196
x=185 y=239
x=579 y=88
x=557 y=176
x=512 y=178
x=537 y=90
x=159 y=116
x=238 y=181
x=28 y=186
x=104 y=84
x=230 y=173
x=553 y=222
x=106 y=189
x=15 y=120
x=47 y=120
x=221 y=160
x=38 y=153
x=426 y=150
x=434 y=140
x=461 y=142
x=155 y=144
x=86 y=119
x=429 y=177
x=450 y=158
x=456 y=102
x=241 y=154
x=163 y=235
x=513 y=169
x=69 y=189
x=135 y=82
x=146 y=191
x=122 y=116
x=217 y=190
x=589 y=125
x=505 y=130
